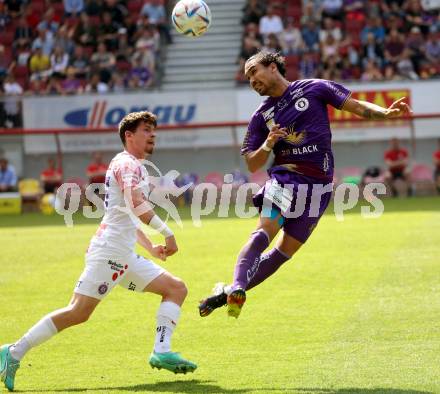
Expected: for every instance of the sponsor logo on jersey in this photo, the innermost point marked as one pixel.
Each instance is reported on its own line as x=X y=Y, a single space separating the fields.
x=268 y=114
x=296 y=93
x=102 y=289
x=295 y=137
x=302 y=104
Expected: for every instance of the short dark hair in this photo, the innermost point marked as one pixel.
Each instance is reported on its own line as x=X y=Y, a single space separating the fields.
x=131 y=121
x=266 y=58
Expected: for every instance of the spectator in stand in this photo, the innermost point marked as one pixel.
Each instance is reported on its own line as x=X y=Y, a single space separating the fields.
x=333 y=9
x=63 y=40
x=96 y=169
x=14 y=7
x=146 y=47
x=71 y=84
x=139 y=75
x=36 y=87
x=432 y=49
x=332 y=69
x=253 y=11
x=12 y=91
x=156 y=13
x=8 y=179
x=272 y=44
x=39 y=64
x=59 y=60
x=73 y=7
x=355 y=10
x=329 y=28
x=312 y=10
x=394 y=47
x=103 y=61
x=375 y=27
x=416 y=17
x=371 y=72
x=390 y=73
x=406 y=67
x=415 y=44
x=436 y=160
x=291 y=40
x=249 y=48
x=94 y=7
x=310 y=35
x=5 y=66
x=79 y=62
x=50 y=22
x=84 y=32
x=270 y=23
x=23 y=34
x=108 y=31
x=130 y=24
x=372 y=50
x=51 y=178
x=44 y=40
x=308 y=67
x=95 y=85
x=123 y=48
x=329 y=48
x=117 y=83
x=116 y=9
x=31 y=15
x=53 y=86
x=397 y=161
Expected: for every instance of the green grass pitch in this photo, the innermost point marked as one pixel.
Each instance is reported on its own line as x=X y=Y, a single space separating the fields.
x=357 y=310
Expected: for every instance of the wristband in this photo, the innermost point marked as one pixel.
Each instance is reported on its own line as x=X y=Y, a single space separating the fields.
x=266 y=147
x=157 y=224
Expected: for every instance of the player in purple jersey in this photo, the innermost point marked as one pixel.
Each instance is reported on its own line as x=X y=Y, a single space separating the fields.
x=293 y=124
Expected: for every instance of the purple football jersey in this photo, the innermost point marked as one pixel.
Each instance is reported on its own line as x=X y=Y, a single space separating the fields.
x=302 y=110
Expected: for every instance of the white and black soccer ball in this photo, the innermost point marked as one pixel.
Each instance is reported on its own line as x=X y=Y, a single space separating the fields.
x=191 y=17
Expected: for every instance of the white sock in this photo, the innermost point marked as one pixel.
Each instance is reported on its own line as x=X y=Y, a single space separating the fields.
x=41 y=332
x=167 y=319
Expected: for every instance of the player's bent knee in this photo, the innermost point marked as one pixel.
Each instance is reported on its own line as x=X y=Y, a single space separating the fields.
x=180 y=288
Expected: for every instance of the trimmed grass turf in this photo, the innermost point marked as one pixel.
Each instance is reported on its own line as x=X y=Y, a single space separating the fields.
x=356 y=311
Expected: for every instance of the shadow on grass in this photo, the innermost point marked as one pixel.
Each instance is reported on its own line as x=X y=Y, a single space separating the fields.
x=187 y=386
x=354 y=390
x=205 y=386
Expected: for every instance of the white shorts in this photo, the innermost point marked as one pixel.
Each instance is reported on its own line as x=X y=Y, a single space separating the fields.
x=102 y=273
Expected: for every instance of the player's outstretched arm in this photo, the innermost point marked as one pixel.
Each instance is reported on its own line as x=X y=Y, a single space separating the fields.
x=372 y=111
x=142 y=208
x=257 y=159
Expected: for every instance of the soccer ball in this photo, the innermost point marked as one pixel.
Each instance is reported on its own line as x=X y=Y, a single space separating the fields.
x=191 y=17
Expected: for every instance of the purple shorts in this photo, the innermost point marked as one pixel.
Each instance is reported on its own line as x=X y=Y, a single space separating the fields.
x=309 y=200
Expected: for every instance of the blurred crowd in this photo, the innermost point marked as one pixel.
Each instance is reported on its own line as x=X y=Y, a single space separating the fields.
x=74 y=46
x=346 y=39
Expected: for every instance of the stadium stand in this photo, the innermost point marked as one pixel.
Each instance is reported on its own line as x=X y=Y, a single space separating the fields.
x=345 y=40
x=70 y=47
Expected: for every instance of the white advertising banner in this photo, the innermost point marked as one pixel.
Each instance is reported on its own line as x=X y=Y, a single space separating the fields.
x=206 y=107
x=107 y=111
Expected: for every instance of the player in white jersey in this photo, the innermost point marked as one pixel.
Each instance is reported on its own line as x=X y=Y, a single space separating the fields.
x=110 y=259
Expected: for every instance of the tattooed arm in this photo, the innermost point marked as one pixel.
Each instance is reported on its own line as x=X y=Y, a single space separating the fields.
x=372 y=111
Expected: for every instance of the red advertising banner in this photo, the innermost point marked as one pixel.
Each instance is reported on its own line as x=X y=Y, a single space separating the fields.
x=384 y=98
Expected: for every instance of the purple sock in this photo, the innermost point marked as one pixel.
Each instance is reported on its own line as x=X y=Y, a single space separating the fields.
x=268 y=265
x=247 y=261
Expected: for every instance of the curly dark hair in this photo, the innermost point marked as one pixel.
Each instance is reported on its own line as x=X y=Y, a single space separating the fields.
x=266 y=58
x=131 y=121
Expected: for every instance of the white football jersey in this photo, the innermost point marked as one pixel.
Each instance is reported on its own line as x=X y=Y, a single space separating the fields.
x=117 y=231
